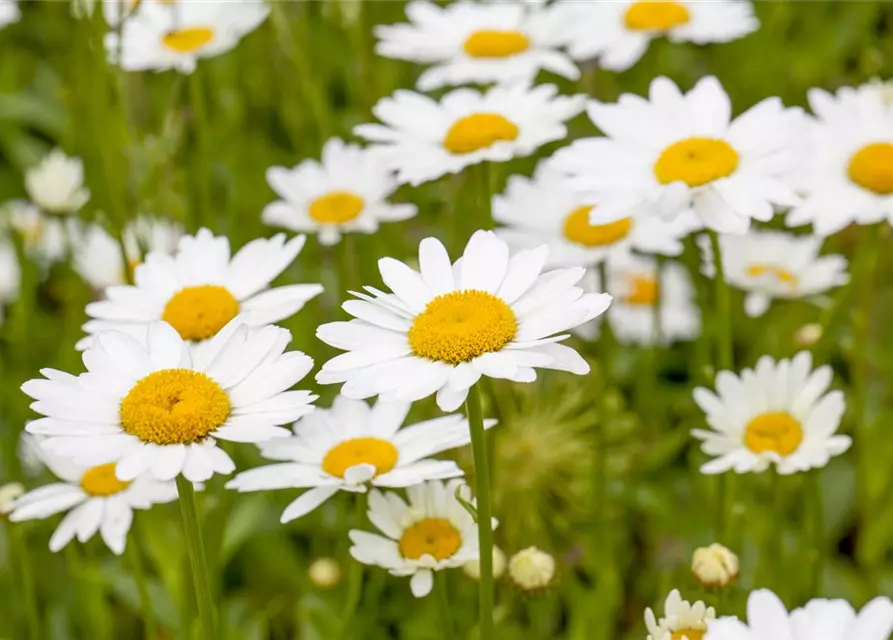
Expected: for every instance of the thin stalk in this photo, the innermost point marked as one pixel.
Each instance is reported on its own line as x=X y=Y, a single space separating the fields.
x=355 y=579
x=142 y=586
x=197 y=560
x=19 y=552
x=200 y=129
x=818 y=543
x=484 y=510
x=443 y=605
x=722 y=306
x=647 y=379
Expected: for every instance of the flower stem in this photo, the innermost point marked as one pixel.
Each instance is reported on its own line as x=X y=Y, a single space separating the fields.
x=484 y=510
x=818 y=543
x=142 y=585
x=443 y=605
x=19 y=552
x=202 y=155
x=197 y=560
x=723 y=309
x=355 y=579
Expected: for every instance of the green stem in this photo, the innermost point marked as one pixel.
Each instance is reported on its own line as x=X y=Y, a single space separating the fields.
x=199 y=126
x=19 y=555
x=197 y=561
x=484 y=510
x=443 y=605
x=818 y=544
x=722 y=306
x=355 y=579
x=142 y=585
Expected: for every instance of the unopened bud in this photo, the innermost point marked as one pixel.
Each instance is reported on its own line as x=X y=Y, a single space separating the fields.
x=714 y=566
x=532 y=569
x=325 y=573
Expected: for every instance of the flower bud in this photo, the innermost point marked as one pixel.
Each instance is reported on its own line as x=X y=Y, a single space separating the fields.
x=325 y=573
x=714 y=566
x=532 y=569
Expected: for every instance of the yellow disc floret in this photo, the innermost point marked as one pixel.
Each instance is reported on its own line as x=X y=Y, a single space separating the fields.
x=198 y=313
x=460 y=326
x=688 y=634
x=577 y=228
x=776 y=431
x=101 y=481
x=642 y=291
x=479 y=131
x=871 y=167
x=496 y=44
x=174 y=406
x=780 y=273
x=336 y=207
x=381 y=454
x=696 y=161
x=188 y=40
x=656 y=15
x=436 y=537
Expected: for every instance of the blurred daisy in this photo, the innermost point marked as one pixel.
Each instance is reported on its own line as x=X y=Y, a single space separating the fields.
x=768 y=619
x=543 y=210
x=42 y=235
x=778 y=413
x=633 y=283
x=10 y=275
x=682 y=620
x=158 y=406
x=480 y=43
x=174 y=35
x=95 y=499
x=9 y=12
x=56 y=183
x=351 y=446
x=849 y=173
x=442 y=329
x=345 y=192
x=618 y=33
x=424 y=139
x=115 y=11
x=201 y=288
x=532 y=569
x=774 y=264
x=431 y=532
x=682 y=151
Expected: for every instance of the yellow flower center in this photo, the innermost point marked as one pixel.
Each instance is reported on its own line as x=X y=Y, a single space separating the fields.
x=696 y=161
x=101 y=481
x=478 y=131
x=688 y=634
x=776 y=431
x=336 y=207
x=188 y=40
x=871 y=167
x=198 y=313
x=656 y=15
x=578 y=229
x=496 y=44
x=780 y=273
x=436 y=537
x=381 y=454
x=174 y=406
x=643 y=290
x=460 y=326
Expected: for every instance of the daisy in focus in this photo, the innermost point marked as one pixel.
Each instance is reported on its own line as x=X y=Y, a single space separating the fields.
x=430 y=532
x=352 y=446
x=676 y=152
x=774 y=264
x=423 y=139
x=778 y=413
x=682 y=620
x=618 y=33
x=439 y=331
x=480 y=43
x=158 y=406
x=346 y=192
x=768 y=619
x=543 y=209
x=175 y=35
x=849 y=174
x=43 y=235
x=202 y=287
x=56 y=183
x=95 y=499
x=9 y=12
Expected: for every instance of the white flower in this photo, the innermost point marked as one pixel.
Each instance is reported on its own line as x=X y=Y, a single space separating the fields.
x=346 y=192
x=774 y=264
x=779 y=412
x=115 y=11
x=632 y=281
x=480 y=43
x=617 y=33
x=424 y=139
x=201 y=288
x=442 y=329
x=680 y=151
x=681 y=620
x=349 y=447
x=156 y=405
x=96 y=501
x=42 y=235
x=849 y=174
x=532 y=569
x=10 y=274
x=9 y=12
x=544 y=210
x=56 y=183
x=768 y=619
x=431 y=532
x=714 y=566
x=162 y=35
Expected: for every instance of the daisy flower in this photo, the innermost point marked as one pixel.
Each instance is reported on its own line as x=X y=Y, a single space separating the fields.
x=431 y=532
x=423 y=139
x=201 y=287
x=165 y=35
x=618 y=33
x=158 y=406
x=774 y=264
x=849 y=174
x=440 y=330
x=43 y=236
x=682 y=620
x=95 y=499
x=9 y=12
x=543 y=209
x=480 y=43
x=777 y=413
x=678 y=151
x=56 y=183
x=346 y=192
x=768 y=619
x=350 y=446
